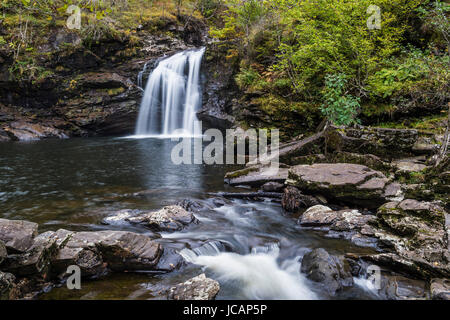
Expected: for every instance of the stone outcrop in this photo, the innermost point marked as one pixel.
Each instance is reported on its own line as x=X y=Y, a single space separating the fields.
x=348 y=183
x=416 y=234
x=197 y=288
x=382 y=142
x=332 y=272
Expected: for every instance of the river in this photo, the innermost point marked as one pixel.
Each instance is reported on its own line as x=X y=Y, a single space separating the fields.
x=252 y=248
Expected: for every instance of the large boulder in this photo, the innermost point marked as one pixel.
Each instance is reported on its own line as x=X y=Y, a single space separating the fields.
x=417 y=235
x=197 y=288
x=349 y=183
x=17 y=234
x=332 y=272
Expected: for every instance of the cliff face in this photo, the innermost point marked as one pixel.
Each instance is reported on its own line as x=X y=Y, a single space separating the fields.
x=91 y=89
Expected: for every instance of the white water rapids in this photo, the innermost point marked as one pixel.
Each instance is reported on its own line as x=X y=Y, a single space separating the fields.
x=172 y=97
x=257 y=275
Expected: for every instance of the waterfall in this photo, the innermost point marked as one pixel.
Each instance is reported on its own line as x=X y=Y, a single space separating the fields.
x=172 y=96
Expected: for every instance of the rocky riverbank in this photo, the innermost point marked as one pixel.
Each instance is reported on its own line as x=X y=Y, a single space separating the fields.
x=32 y=263
x=375 y=187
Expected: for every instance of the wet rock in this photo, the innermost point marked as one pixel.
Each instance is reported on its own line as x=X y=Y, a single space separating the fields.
x=191 y=205
x=170 y=218
x=349 y=183
x=7 y=281
x=198 y=288
x=293 y=200
x=35 y=260
x=332 y=272
x=440 y=289
x=120 y=217
x=3 y=253
x=117 y=250
x=170 y=260
x=272 y=187
x=17 y=235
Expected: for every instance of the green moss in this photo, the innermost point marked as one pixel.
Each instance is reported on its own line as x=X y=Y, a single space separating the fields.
x=240 y=173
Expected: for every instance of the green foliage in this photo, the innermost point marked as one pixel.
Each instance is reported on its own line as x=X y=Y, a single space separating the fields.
x=339 y=107
x=209 y=8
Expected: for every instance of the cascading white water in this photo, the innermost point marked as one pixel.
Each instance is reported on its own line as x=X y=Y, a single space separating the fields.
x=257 y=275
x=172 y=97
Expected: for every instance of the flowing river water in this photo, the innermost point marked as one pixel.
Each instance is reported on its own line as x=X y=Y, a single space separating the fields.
x=252 y=248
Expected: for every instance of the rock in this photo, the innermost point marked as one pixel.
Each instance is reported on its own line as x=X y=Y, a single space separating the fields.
x=120 y=217
x=416 y=233
x=440 y=289
x=7 y=281
x=27 y=131
x=198 y=288
x=170 y=218
x=17 y=235
x=425 y=145
x=396 y=287
x=3 y=253
x=332 y=272
x=36 y=260
x=118 y=250
x=272 y=187
x=349 y=183
x=347 y=224
x=368 y=160
x=293 y=200
x=406 y=165
x=191 y=205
